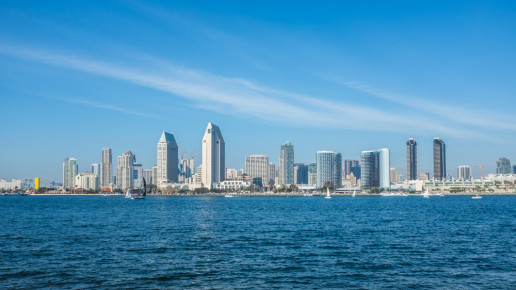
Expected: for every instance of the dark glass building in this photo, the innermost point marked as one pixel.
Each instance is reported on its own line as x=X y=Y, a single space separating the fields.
x=411 y=159
x=439 y=159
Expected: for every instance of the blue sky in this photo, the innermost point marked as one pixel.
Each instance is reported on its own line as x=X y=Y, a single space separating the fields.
x=348 y=76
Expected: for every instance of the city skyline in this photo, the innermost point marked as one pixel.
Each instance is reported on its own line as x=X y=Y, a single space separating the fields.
x=373 y=76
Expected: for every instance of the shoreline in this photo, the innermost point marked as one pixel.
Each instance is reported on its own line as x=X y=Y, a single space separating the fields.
x=261 y=195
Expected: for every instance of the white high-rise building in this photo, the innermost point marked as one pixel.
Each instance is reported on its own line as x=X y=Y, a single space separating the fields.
x=168 y=160
x=231 y=173
x=95 y=169
x=258 y=166
x=464 y=172
x=106 y=168
x=147 y=174
x=70 y=170
x=213 y=156
x=385 y=167
x=272 y=173
x=86 y=181
x=155 y=175
x=125 y=171
x=286 y=164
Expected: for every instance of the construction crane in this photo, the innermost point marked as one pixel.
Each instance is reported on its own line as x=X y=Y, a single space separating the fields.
x=482 y=166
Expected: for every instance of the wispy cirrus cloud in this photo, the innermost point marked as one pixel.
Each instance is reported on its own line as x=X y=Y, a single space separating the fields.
x=105 y=106
x=245 y=98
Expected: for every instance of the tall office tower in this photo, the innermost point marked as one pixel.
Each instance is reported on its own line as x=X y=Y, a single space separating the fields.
x=385 y=166
x=286 y=164
x=95 y=169
x=503 y=166
x=272 y=173
x=439 y=159
x=154 y=175
x=147 y=174
x=375 y=168
x=348 y=164
x=329 y=168
x=70 y=170
x=167 y=159
x=300 y=173
x=312 y=174
x=257 y=166
x=514 y=169
x=188 y=167
x=370 y=169
x=463 y=172
x=411 y=159
x=106 y=168
x=125 y=171
x=213 y=156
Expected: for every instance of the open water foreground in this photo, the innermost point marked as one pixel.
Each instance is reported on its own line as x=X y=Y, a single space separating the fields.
x=257 y=242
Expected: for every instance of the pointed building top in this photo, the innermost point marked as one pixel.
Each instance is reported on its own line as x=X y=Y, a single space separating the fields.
x=167 y=138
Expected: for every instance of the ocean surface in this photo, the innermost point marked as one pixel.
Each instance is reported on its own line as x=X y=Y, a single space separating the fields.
x=76 y=242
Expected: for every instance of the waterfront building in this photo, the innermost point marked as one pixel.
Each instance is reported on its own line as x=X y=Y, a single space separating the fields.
x=300 y=173
x=439 y=159
x=328 y=168
x=154 y=175
x=348 y=165
x=70 y=170
x=14 y=184
x=286 y=164
x=272 y=173
x=213 y=156
x=312 y=174
x=137 y=175
x=125 y=171
x=463 y=172
x=257 y=166
x=106 y=168
x=188 y=169
x=395 y=176
x=356 y=171
x=95 y=169
x=86 y=181
x=503 y=166
x=375 y=168
x=424 y=176
x=147 y=174
x=167 y=159
x=411 y=159
x=198 y=175
x=232 y=185
x=231 y=174
x=514 y=169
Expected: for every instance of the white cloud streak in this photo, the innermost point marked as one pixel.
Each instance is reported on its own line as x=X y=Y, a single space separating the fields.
x=245 y=98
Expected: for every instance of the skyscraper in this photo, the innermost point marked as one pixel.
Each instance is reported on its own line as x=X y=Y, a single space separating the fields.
x=70 y=170
x=286 y=164
x=463 y=172
x=257 y=166
x=168 y=160
x=300 y=173
x=213 y=156
x=439 y=159
x=125 y=171
x=411 y=159
x=272 y=173
x=375 y=168
x=106 y=168
x=95 y=169
x=329 y=168
x=503 y=166
x=348 y=164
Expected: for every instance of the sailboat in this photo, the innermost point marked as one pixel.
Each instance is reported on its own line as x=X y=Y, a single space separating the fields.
x=426 y=194
x=327 y=193
x=354 y=191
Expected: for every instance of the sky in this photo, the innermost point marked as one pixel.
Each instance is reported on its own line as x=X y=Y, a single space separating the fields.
x=347 y=76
